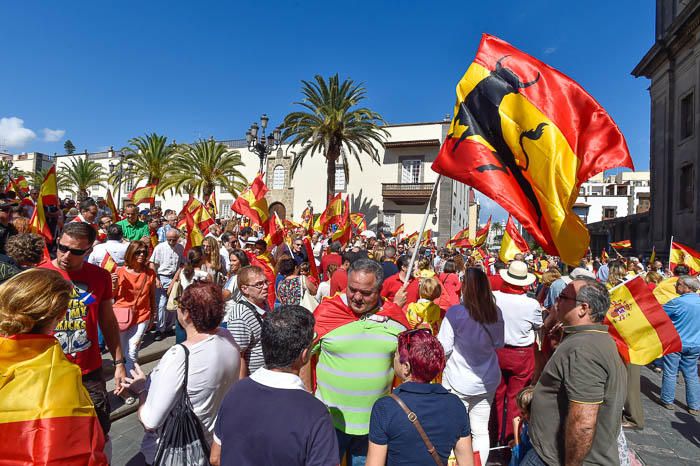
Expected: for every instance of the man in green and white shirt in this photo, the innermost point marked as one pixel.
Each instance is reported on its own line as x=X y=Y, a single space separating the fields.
x=355 y=346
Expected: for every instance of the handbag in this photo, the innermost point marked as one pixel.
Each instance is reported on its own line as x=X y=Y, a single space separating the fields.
x=414 y=420
x=181 y=439
x=126 y=315
x=174 y=296
x=308 y=300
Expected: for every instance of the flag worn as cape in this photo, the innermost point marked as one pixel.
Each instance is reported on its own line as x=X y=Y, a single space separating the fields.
x=682 y=254
x=143 y=195
x=252 y=203
x=46 y=414
x=512 y=242
x=527 y=136
x=639 y=325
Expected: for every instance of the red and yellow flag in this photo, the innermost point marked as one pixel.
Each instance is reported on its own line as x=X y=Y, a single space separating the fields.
x=199 y=214
x=212 y=205
x=512 y=243
x=652 y=258
x=427 y=239
x=344 y=231
x=624 y=244
x=20 y=185
x=195 y=237
x=112 y=206
x=46 y=415
x=398 y=232
x=482 y=234
x=682 y=254
x=604 y=257
x=333 y=214
x=108 y=263
x=252 y=203
x=144 y=195
x=358 y=221
x=307 y=219
x=49 y=188
x=263 y=261
x=460 y=239
x=527 y=136
x=478 y=254
x=641 y=328
x=412 y=238
x=312 y=261
x=275 y=234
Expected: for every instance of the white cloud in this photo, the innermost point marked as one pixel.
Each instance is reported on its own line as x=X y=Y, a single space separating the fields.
x=53 y=135
x=491 y=207
x=550 y=50
x=13 y=133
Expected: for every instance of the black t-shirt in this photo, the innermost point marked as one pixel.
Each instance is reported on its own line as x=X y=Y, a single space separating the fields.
x=5 y=232
x=258 y=424
x=389 y=269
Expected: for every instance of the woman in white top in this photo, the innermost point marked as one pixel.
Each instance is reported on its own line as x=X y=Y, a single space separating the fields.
x=232 y=293
x=470 y=334
x=214 y=362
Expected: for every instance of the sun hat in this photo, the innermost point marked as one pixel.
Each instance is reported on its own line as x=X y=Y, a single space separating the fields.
x=580 y=272
x=517 y=274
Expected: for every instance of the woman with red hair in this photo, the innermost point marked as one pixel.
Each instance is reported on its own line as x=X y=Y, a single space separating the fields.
x=393 y=439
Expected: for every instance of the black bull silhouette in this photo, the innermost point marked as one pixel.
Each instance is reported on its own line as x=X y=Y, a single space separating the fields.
x=479 y=113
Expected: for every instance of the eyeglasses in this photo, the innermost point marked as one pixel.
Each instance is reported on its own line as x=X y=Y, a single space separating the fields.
x=74 y=251
x=171 y=240
x=562 y=297
x=260 y=285
x=142 y=252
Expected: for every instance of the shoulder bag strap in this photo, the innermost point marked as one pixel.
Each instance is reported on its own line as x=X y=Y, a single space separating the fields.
x=253 y=310
x=414 y=420
x=187 y=369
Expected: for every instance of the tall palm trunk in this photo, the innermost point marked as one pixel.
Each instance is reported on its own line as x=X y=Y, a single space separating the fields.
x=331 y=158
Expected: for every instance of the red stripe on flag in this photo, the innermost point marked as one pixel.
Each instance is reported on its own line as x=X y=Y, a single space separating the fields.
x=657 y=317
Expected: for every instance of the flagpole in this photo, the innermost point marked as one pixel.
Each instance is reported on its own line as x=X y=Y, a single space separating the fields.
x=422 y=229
x=670 y=250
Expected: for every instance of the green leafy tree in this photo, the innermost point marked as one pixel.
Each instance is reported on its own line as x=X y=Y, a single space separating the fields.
x=198 y=168
x=68 y=146
x=35 y=179
x=80 y=174
x=151 y=157
x=332 y=124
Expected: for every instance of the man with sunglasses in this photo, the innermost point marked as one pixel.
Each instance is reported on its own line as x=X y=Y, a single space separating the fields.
x=91 y=304
x=355 y=342
x=576 y=410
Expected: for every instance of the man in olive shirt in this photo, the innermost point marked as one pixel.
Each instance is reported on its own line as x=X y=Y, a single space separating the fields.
x=133 y=228
x=577 y=405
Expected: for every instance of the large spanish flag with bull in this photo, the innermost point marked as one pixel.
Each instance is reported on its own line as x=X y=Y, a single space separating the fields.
x=527 y=136
x=639 y=325
x=46 y=415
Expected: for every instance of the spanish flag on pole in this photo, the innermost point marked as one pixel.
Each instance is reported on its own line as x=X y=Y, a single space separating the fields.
x=604 y=256
x=482 y=234
x=252 y=203
x=275 y=235
x=358 y=222
x=624 y=244
x=200 y=214
x=211 y=205
x=195 y=237
x=398 y=232
x=112 y=206
x=512 y=243
x=49 y=188
x=460 y=239
x=108 y=263
x=344 y=231
x=307 y=219
x=527 y=136
x=412 y=238
x=682 y=254
x=333 y=214
x=639 y=325
x=48 y=193
x=143 y=195
x=46 y=415
x=427 y=239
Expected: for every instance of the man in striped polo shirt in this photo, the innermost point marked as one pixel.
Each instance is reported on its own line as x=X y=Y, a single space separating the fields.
x=355 y=345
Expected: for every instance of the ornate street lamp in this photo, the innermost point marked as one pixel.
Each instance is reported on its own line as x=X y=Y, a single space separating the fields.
x=119 y=170
x=261 y=145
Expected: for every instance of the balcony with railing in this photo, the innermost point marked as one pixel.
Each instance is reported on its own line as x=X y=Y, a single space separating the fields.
x=407 y=193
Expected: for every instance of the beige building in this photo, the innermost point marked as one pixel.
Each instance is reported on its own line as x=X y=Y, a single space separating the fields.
x=390 y=193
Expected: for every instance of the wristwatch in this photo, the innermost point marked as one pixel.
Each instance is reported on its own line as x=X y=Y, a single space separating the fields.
x=119 y=361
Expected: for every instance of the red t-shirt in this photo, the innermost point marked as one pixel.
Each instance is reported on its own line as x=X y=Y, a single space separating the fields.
x=496 y=282
x=394 y=283
x=328 y=259
x=339 y=281
x=77 y=332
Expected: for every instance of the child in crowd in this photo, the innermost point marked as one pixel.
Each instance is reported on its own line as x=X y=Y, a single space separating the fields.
x=520 y=425
x=425 y=313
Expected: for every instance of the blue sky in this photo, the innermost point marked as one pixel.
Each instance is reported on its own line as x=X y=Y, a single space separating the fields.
x=105 y=73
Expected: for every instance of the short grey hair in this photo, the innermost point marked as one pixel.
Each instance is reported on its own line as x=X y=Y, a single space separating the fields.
x=368 y=266
x=389 y=252
x=691 y=283
x=596 y=296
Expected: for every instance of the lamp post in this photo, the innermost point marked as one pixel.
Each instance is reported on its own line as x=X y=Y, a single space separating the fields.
x=119 y=170
x=261 y=145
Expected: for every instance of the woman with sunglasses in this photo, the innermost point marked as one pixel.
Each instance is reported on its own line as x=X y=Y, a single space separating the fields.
x=393 y=439
x=470 y=334
x=136 y=291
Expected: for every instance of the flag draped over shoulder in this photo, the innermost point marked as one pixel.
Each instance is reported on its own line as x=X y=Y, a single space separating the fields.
x=682 y=254
x=624 y=244
x=527 y=136
x=252 y=203
x=512 y=242
x=143 y=195
x=639 y=325
x=46 y=415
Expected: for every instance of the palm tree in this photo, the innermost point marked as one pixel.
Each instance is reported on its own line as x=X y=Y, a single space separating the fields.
x=151 y=159
x=198 y=168
x=36 y=178
x=497 y=227
x=80 y=174
x=333 y=126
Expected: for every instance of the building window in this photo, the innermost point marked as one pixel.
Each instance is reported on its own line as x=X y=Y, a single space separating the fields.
x=389 y=220
x=410 y=170
x=278 y=177
x=339 y=178
x=609 y=212
x=687 y=115
x=129 y=184
x=687 y=186
x=225 y=209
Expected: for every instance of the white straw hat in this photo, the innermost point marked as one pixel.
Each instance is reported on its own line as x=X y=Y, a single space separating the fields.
x=517 y=274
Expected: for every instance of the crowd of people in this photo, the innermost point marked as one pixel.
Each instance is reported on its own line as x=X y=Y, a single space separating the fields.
x=333 y=352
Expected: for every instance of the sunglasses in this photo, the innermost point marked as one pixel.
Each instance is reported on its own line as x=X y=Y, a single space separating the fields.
x=74 y=251
x=142 y=252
